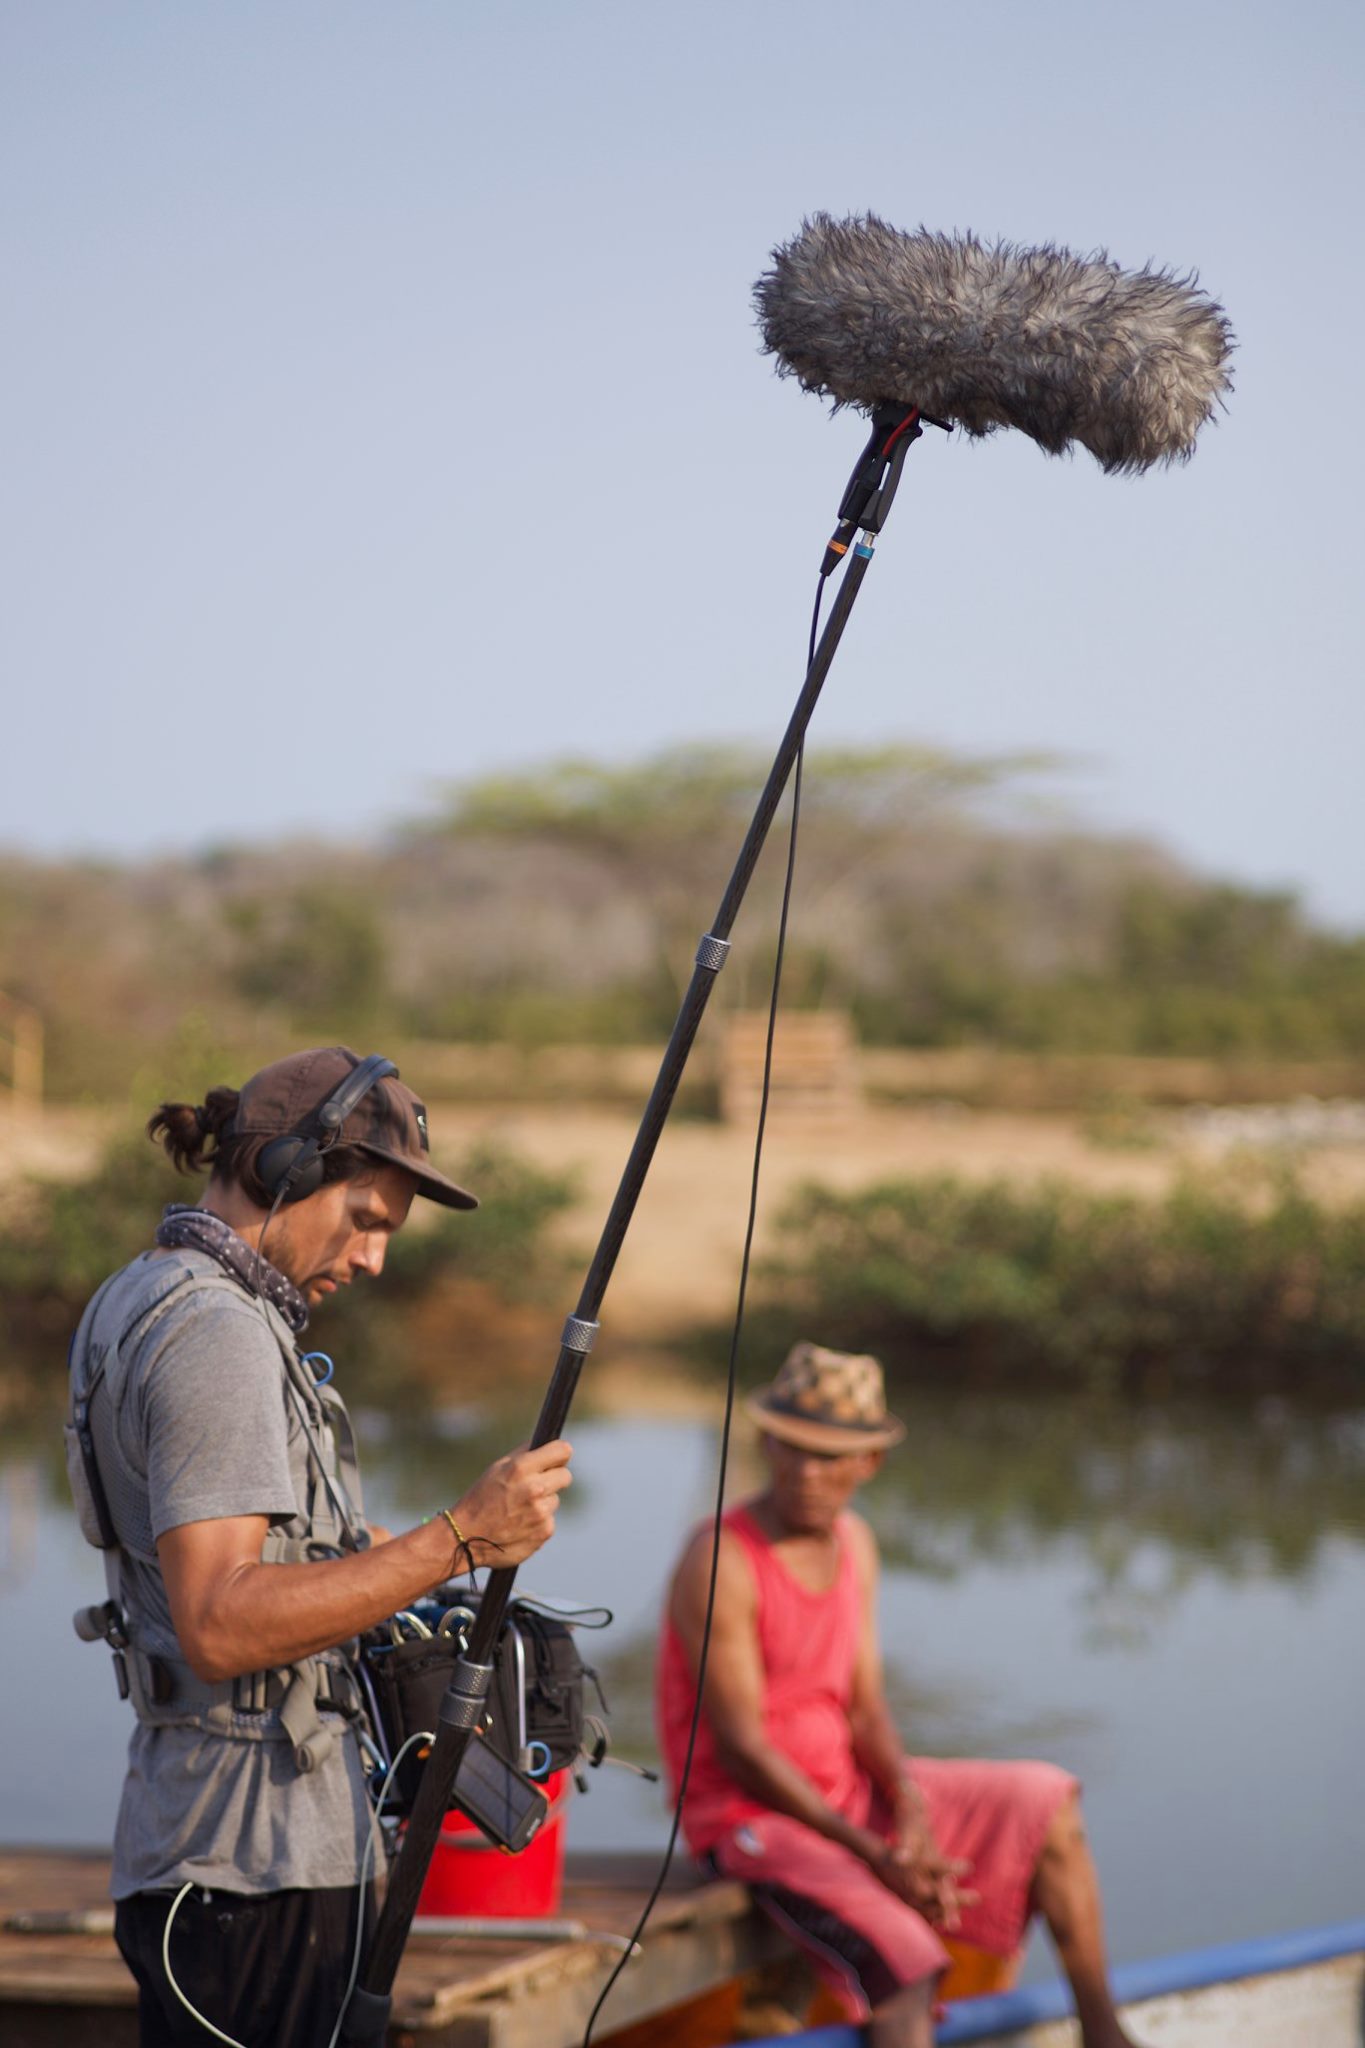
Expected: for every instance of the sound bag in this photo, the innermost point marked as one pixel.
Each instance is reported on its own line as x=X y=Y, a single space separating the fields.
x=536 y=1716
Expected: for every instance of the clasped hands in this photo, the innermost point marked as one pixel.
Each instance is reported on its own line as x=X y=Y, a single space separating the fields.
x=913 y=1866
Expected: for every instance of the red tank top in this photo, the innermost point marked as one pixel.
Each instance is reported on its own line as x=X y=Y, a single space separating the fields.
x=809 y=1644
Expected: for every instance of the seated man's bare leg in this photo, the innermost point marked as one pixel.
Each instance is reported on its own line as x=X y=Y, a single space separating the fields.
x=906 y=2019
x=1066 y=1891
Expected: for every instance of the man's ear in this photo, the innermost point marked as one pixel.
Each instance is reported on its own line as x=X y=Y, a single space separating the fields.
x=872 y=1465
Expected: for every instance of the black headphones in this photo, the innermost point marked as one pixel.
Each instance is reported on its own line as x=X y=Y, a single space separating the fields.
x=290 y=1168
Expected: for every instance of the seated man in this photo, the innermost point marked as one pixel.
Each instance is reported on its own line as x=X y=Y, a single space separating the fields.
x=799 y=1784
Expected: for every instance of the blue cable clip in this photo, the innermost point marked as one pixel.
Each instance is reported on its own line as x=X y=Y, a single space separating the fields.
x=320 y=1379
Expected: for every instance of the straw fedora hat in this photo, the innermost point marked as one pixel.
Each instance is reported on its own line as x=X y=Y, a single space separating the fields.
x=826 y=1401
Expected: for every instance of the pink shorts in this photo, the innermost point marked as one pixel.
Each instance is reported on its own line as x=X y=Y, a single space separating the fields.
x=865 y=1941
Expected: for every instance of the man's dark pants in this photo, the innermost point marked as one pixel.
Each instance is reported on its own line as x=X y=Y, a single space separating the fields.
x=272 y=1968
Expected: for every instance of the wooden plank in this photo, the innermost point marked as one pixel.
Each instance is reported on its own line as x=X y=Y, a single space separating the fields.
x=440 y=1976
x=50 y=1879
x=67 y=1970
x=56 y=2026
x=679 y=1964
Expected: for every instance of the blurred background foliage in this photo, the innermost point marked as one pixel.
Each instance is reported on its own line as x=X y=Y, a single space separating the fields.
x=484 y=1275
x=943 y=900
x=1232 y=1282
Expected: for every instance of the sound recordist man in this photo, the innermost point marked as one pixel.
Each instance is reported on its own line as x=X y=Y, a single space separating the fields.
x=799 y=1784
x=218 y=1475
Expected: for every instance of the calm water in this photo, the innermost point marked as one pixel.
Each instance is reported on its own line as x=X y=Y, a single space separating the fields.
x=1168 y=1602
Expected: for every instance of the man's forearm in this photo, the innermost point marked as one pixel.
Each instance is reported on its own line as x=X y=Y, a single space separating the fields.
x=878 y=1748
x=264 y=1615
x=766 y=1775
x=233 y=1614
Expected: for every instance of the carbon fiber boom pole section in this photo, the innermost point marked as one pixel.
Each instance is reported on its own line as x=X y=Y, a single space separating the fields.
x=873 y=486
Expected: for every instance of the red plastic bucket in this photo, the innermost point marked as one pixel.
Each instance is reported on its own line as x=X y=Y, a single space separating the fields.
x=469 y=1876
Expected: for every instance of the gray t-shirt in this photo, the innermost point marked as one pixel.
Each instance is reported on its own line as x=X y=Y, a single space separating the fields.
x=206 y=1426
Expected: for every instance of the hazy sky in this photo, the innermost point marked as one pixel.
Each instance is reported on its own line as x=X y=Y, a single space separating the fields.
x=382 y=405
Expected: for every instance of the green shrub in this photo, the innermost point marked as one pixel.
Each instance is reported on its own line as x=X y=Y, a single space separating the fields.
x=1210 y=1286
x=63 y=1238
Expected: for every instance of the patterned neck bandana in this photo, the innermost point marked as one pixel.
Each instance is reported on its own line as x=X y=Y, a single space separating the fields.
x=184 y=1224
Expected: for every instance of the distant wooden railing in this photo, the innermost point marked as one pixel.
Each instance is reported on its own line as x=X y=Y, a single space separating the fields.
x=815 y=1064
x=21 y=1053
x=837 y=1071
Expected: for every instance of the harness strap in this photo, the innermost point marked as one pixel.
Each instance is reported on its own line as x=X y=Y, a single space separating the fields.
x=313 y=1740
x=79 y=1427
x=164 y=1691
x=335 y=1500
x=261 y=1706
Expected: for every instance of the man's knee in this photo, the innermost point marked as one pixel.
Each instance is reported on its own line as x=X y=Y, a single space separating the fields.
x=1066 y=1830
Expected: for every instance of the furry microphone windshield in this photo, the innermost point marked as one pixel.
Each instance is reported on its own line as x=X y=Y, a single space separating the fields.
x=1066 y=348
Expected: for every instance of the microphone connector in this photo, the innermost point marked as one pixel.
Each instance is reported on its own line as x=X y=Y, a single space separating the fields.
x=837 y=547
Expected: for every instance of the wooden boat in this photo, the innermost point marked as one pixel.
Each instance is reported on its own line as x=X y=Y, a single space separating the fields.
x=63 y=1985
x=1288 y=1991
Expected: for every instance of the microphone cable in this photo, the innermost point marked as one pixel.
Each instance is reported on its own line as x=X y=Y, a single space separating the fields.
x=666 y=1864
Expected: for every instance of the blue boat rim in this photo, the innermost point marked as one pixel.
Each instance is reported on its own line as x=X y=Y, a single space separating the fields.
x=981 y=2019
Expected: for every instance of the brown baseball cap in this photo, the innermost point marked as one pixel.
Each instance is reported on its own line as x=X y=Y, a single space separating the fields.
x=388 y=1122
x=832 y=1401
